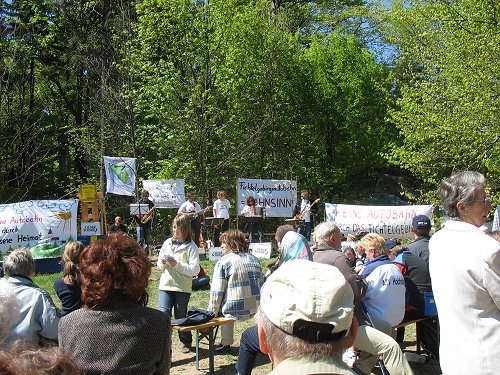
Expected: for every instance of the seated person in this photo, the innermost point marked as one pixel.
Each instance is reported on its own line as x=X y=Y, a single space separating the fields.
x=418 y=281
x=67 y=286
x=236 y=283
x=118 y=226
x=114 y=332
x=22 y=357
x=201 y=281
x=385 y=297
x=38 y=317
x=308 y=306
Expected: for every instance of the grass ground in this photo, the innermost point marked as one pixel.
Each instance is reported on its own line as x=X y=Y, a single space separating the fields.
x=225 y=364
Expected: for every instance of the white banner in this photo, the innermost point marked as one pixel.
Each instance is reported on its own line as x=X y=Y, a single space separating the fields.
x=120 y=175
x=278 y=197
x=45 y=226
x=261 y=249
x=90 y=228
x=165 y=193
x=388 y=221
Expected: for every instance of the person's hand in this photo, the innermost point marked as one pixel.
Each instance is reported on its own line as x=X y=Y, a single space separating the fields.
x=170 y=260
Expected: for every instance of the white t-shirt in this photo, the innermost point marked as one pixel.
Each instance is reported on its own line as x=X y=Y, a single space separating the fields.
x=221 y=208
x=190 y=208
x=306 y=215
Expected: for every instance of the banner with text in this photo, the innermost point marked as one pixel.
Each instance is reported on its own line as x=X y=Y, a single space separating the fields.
x=120 y=175
x=388 y=221
x=45 y=226
x=278 y=197
x=165 y=193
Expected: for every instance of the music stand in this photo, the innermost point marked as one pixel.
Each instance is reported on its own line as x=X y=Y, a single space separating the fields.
x=139 y=209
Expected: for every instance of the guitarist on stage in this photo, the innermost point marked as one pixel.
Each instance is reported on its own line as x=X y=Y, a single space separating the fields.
x=306 y=210
x=192 y=209
x=145 y=222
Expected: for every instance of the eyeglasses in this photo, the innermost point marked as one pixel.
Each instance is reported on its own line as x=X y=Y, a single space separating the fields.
x=485 y=201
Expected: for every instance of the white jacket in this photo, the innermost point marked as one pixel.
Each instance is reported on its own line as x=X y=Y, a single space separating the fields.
x=464 y=265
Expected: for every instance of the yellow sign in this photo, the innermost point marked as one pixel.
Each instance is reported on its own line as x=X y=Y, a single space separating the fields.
x=88 y=192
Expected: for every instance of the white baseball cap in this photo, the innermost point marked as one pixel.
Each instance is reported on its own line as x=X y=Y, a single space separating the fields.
x=305 y=291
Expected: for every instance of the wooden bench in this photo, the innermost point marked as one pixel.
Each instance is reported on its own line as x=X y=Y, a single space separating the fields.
x=405 y=323
x=205 y=330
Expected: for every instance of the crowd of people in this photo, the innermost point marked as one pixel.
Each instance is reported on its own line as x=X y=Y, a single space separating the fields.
x=317 y=309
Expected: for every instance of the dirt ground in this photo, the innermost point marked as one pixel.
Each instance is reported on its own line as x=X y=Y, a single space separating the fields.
x=184 y=364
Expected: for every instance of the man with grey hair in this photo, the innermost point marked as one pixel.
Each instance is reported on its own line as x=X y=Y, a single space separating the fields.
x=38 y=317
x=305 y=319
x=369 y=340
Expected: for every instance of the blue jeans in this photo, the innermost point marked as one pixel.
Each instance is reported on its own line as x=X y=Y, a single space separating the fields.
x=249 y=348
x=144 y=236
x=179 y=301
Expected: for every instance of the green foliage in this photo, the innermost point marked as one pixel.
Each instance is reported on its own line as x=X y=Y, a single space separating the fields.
x=448 y=110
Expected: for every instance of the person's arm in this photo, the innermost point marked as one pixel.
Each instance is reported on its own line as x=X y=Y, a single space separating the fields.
x=358 y=284
x=491 y=276
x=166 y=248
x=48 y=317
x=218 y=289
x=193 y=267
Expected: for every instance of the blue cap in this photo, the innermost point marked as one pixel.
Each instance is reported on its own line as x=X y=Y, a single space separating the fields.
x=421 y=222
x=391 y=243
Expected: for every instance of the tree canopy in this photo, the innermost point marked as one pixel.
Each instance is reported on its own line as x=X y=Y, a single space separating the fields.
x=210 y=91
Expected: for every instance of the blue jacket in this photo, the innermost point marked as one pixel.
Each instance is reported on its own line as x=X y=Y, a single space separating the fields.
x=38 y=317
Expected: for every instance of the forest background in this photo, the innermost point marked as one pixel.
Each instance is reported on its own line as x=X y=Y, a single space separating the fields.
x=341 y=96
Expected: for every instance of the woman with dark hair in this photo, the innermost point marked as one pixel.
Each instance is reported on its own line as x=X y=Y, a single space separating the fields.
x=179 y=262
x=464 y=265
x=115 y=332
x=67 y=286
x=236 y=283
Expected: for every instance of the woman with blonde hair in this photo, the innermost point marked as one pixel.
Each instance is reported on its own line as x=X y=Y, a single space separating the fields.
x=67 y=286
x=178 y=261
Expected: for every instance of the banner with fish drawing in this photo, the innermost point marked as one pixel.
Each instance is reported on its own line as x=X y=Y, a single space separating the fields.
x=45 y=226
x=120 y=175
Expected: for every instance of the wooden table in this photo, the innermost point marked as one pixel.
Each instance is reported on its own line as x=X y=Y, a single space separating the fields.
x=205 y=330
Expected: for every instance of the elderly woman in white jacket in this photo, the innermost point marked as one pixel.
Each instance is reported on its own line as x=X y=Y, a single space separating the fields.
x=465 y=270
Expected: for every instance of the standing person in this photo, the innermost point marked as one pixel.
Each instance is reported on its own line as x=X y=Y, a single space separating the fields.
x=179 y=262
x=305 y=210
x=145 y=222
x=67 y=286
x=192 y=210
x=38 y=317
x=236 y=284
x=421 y=229
x=115 y=333
x=221 y=210
x=251 y=209
x=118 y=226
x=466 y=286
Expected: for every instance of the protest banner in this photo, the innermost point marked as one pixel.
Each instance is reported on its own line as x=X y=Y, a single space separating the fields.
x=388 y=221
x=45 y=226
x=120 y=175
x=261 y=249
x=278 y=197
x=165 y=193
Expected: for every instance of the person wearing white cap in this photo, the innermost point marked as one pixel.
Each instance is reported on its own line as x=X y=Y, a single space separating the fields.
x=305 y=319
